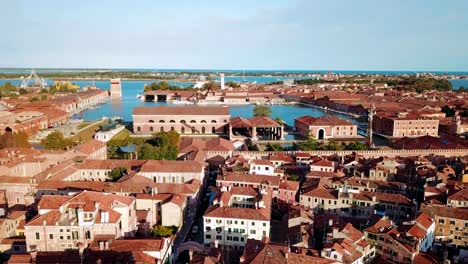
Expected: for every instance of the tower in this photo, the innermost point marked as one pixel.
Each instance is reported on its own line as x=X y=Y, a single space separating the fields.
x=115 y=88
x=222 y=81
x=370 y=118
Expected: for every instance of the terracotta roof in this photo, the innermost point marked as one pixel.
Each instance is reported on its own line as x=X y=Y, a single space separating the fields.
x=323 y=163
x=16 y=180
x=263 y=121
x=90 y=146
x=324 y=174
x=417 y=232
x=324 y=121
x=240 y=122
x=171 y=166
x=461 y=195
x=181 y=110
x=249 y=178
x=352 y=233
x=322 y=193
x=424 y=220
x=281 y=157
x=289 y=185
x=261 y=162
x=178 y=199
x=239 y=213
x=444 y=211
x=257 y=252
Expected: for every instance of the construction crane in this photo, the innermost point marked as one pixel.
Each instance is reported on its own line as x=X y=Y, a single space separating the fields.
x=37 y=82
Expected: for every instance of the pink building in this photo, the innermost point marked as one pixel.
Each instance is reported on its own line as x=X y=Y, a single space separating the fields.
x=325 y=127
x=185 y=120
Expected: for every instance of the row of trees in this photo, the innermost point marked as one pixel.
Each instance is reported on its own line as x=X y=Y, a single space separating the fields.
x=164 y=86
x=7 y=89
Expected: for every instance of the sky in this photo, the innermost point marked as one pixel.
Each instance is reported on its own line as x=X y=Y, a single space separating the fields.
x=423 y=35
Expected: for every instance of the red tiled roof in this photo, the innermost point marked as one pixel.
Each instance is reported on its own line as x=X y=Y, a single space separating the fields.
x=461 y=195
x=249 y=178
x=424 y=220
x=322 y=193
x=261 y=214
x=323 y=163
x=263 y=121
x=90 y=146
x=171 y=166
x=324 y=121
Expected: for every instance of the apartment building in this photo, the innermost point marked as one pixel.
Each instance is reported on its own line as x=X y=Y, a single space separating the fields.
x=405 y=124
x=281 y=189
x=238 y=214
x=451 y=224
x=348 y=245
x=63 y=222
x=458 y=199
x=360 y=204
x=388 y=244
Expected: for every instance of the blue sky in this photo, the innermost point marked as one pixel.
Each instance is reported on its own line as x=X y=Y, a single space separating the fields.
x=260 y=34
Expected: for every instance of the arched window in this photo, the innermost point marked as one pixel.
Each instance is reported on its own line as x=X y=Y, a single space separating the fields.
x=203 y=130
x=193 y=121
x=172 y=128
x=151 y=121
x=161 y=129
x=213 y=121
x=151 y=128
x=162 y=121
x=182 y=121
x=213 y=130
x=139 y=129
x=182 y=130
x=193 y=130
x=203 y=121
x=172 y=121
x=225 y=121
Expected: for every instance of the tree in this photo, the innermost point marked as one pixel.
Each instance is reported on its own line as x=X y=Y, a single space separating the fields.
x=166 y=145
x=449 y=112
x=274 y=147
x=22 y=91
x=14 y=140
x=160 y=231
x=44 y=97
x=34 y=99
x=147 y=152
x=308 y=144
x=233 y=84
x=294 y=177
x=117 y=173
x=357 y=146
x=211 y=86
x=56 y=141
x=261 y=110
x=279 y=120
x=7 y=89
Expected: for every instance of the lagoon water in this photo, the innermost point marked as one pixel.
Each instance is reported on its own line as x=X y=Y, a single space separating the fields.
x=123 y=108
